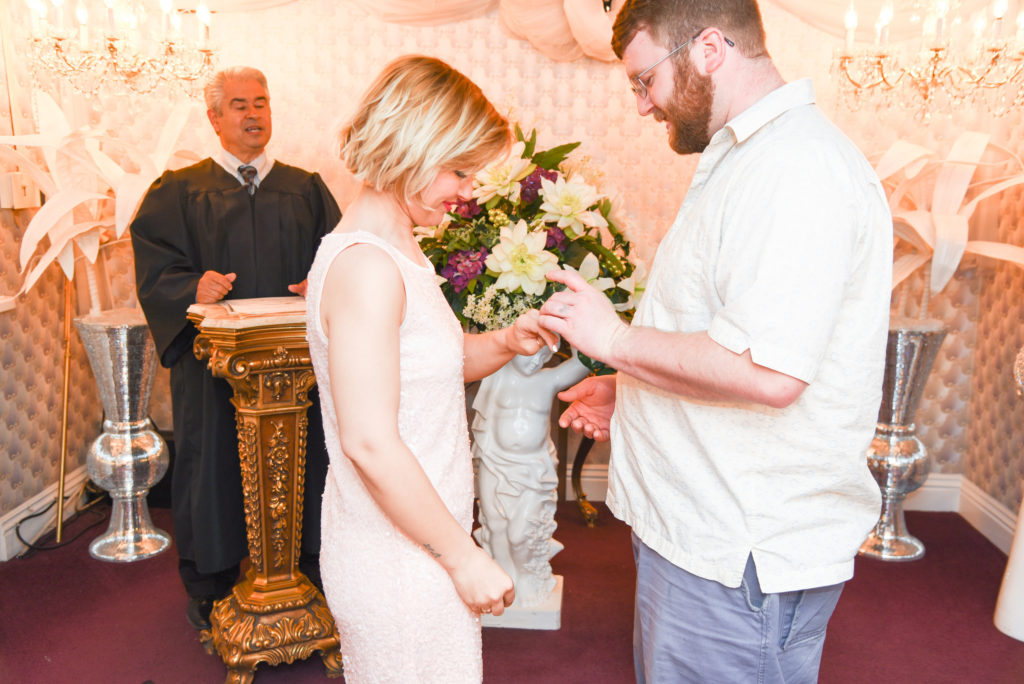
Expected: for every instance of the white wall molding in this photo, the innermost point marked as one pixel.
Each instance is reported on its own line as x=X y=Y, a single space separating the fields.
x=35 y=528
x=941 y=492
x=594 y=480
x=994 y=520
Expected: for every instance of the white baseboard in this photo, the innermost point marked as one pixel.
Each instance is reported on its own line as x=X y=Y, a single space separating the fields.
x=593 y=479
x=994 y=520
x=941 y=492
x=32 y=530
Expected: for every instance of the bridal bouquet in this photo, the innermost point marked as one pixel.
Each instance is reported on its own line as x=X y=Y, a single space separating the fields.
x=530 y=213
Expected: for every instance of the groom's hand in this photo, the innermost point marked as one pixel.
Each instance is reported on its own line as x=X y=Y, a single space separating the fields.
x=583 y=316
x=591 y=408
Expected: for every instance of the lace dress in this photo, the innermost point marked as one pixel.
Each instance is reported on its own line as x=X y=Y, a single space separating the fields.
x=398 y=614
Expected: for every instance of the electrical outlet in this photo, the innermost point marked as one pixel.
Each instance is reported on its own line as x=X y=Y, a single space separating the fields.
x=18 y=191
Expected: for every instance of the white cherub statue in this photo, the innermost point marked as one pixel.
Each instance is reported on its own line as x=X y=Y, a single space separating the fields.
x=516 y=480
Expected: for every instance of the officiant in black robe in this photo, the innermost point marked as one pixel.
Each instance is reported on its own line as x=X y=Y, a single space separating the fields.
x=235 y=226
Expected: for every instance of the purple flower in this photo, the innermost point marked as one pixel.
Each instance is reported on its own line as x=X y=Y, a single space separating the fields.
x=556 y=238
x=530 y=186
x=467 y=210
x=464 y=266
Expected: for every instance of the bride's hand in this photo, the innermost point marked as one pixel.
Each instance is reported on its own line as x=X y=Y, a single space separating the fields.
x=482 y=584
x=526 y=336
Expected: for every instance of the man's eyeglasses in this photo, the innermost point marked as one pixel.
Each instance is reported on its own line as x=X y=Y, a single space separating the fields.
x=637 y=84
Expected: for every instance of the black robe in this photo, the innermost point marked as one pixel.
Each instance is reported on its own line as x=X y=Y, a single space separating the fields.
x=199 y=219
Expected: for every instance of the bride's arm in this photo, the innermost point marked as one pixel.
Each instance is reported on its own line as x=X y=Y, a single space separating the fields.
x=487 y=352
x=361 y=317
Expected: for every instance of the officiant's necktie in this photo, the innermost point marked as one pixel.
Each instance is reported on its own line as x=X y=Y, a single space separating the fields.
x=248 y=175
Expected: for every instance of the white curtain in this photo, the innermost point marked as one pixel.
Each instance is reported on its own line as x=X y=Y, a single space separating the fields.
x=426 y=12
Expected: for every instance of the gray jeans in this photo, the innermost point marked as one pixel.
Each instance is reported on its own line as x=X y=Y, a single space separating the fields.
x=689 y=629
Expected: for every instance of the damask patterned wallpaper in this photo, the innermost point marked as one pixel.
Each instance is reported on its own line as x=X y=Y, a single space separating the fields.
x=319 y=55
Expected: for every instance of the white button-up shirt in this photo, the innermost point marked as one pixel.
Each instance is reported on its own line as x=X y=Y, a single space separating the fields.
x=230 y=163
x=783 y=246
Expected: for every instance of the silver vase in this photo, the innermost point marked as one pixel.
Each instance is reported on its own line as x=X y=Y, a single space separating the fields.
x=129 y=456
x=896 y=457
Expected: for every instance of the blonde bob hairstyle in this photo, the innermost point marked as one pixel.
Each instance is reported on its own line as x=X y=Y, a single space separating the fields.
x=420 y=117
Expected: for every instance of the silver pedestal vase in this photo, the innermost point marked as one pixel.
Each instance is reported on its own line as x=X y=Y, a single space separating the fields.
x=129 y=456
x=897 y=458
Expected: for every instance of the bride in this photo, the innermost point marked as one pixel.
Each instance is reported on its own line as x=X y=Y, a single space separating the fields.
x=401 y=573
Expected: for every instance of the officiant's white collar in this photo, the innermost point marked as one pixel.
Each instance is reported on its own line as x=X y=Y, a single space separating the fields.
x=230 y=163
x=771 y=106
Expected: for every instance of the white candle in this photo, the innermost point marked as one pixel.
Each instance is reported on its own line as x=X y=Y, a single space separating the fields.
x=977 y=43
x=38 y=11
x=165 y=7
x=82 y=15
x=998 y=12
x=850 y=22
x=940 y=12
x=175 y=26
x=882 y=27
x=203 y=23
x=110 y=16
x=59 y=19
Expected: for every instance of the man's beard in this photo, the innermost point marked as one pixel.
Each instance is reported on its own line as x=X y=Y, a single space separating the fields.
x=689 y=112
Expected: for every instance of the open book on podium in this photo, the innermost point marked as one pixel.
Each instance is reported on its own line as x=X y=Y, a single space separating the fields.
x=251 y=313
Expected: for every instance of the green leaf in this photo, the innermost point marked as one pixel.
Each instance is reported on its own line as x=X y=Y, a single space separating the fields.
x=596 y=367
x=550 y=159
x=531 y=145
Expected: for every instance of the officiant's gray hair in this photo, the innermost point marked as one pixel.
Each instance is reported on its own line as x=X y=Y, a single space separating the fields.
x=418 y=117
x=213 y=93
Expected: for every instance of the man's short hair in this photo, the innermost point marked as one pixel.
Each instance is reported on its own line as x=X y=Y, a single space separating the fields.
x=672 y=22
x=418 y=117
x=214 y=90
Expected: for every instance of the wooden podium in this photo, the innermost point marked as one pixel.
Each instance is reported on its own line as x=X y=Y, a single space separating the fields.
x=275 y=614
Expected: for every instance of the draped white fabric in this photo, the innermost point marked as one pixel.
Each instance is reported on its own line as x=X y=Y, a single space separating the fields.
x=543 y=24
x=567 y=30
x=426 y=12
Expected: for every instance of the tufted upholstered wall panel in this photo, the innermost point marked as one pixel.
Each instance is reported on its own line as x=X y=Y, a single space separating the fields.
x=995 y=450
x=319 y=55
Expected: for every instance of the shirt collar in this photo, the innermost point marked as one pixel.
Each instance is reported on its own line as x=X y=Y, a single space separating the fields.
x=230 y=163
x=770 y=107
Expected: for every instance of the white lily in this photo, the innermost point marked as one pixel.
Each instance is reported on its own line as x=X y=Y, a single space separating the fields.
x=503 y=178
x=634 y=285
x=568 y=202
x=590 y=269
x=520 y=259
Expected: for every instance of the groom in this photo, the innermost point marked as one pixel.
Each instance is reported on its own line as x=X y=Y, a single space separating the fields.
x=750 y=378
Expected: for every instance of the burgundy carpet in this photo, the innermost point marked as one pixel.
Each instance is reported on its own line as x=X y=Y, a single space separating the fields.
x=66 y=618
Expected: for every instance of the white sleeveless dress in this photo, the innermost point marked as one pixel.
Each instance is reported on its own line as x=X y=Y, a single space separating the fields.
x=398 y=614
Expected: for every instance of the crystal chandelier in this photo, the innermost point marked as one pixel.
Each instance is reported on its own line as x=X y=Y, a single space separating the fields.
x=957 y=61
x=122 y=45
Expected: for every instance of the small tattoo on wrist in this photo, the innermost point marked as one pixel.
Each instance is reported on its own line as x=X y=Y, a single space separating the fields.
x=431 y=551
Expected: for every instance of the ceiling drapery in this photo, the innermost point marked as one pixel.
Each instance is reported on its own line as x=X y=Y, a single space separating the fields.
x=564 y=30
x=567 y=30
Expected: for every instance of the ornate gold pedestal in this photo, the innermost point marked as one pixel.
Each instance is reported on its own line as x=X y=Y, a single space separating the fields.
x=275 y=615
